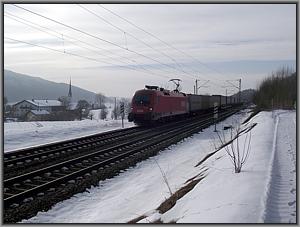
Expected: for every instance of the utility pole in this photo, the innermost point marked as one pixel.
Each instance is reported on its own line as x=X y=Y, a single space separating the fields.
x=122 y=113
x=240 y=89
x=202 y=85
x=115 y=113
x=215 y=115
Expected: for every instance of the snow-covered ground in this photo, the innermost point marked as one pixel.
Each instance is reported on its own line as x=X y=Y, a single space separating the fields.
x=265 y=190
x=25 y=134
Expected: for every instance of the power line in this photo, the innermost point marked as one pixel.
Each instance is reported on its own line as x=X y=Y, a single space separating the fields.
x=156 y=37
x=88 y=34
x=62 y=37
x=134 y=37
x=96 y=37
x=77 y=55
x=60 y=34
x=10 y=16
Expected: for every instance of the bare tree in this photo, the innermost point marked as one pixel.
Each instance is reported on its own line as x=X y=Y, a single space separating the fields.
x=115 y=113
x=237 y=153
x=82 y=107
x=82 y=104
x=65 y=101
x=103 y=113
x=100 y=99
x=127 y=105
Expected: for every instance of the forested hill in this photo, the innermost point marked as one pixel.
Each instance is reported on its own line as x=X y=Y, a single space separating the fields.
x=19 y=86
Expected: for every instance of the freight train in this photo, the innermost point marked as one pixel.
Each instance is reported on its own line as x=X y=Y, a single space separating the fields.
x=154 y=104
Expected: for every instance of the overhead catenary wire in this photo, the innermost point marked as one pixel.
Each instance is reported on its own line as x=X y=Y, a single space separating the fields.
x=62 y=37
x=77 y=55
x=59 y=37
x=99 y=38
x=156 y=37
x=92 y=50
x=35 y=26
x=91 y=35
x=137 y=39
x=10 y=16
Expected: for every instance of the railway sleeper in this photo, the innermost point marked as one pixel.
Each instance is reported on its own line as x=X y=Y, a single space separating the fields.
x=44 y=203
x=66 y=191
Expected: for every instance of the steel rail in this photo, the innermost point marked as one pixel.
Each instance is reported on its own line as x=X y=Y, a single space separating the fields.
x=79 y=145
x=153 y=139
x=8 y=155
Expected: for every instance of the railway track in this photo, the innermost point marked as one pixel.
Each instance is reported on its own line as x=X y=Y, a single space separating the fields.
x=27 y=160
x=26 y=194
x=21 y=161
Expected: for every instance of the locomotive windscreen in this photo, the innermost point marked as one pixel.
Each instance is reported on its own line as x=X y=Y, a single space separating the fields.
x=142 y=99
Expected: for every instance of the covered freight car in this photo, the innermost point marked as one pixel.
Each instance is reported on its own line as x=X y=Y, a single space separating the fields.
x=219 y=99
x=198 y=103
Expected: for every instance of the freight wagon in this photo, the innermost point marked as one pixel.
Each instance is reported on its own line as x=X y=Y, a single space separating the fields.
x=198 y=103
x=154 y=104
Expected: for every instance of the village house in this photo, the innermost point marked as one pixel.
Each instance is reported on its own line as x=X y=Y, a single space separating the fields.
x=45 y=109
x=37 y=115
x=23 y=107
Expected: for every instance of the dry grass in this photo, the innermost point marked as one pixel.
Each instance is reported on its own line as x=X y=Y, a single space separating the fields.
x=170 y=202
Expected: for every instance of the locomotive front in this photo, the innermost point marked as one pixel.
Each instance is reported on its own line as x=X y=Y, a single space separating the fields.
x=142 y=106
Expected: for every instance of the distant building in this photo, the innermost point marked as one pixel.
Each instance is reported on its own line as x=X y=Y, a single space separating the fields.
x=70 y=91
x=72 y=103
x=37 y=115
x=23 y=107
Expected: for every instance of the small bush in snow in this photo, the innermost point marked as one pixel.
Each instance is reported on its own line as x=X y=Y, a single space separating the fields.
x=238 y=152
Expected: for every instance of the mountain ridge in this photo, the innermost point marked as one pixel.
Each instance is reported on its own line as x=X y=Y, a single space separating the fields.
x=18 y=86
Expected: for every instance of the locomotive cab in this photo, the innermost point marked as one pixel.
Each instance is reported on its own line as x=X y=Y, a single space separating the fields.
x=142 y=106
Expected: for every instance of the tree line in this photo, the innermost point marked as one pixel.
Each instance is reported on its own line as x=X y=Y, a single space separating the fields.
x=278 y=91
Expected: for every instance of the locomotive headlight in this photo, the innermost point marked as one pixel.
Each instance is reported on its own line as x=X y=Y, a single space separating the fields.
x=150 y=108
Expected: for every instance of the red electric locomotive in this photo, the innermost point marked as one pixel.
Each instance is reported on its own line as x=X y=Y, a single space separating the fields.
x=157 y=104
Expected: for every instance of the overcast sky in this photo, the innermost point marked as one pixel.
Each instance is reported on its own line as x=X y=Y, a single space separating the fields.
x=102 y=52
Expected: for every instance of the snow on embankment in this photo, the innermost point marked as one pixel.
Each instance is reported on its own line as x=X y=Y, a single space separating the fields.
x=19 y=135
x=226 y=197
x=138 y=189
x=221 y=197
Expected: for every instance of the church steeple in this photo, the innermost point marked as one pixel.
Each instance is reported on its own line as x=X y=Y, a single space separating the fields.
x=70 y=90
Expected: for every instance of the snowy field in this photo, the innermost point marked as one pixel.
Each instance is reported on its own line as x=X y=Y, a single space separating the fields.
x=265 y=190
x=25 y=134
